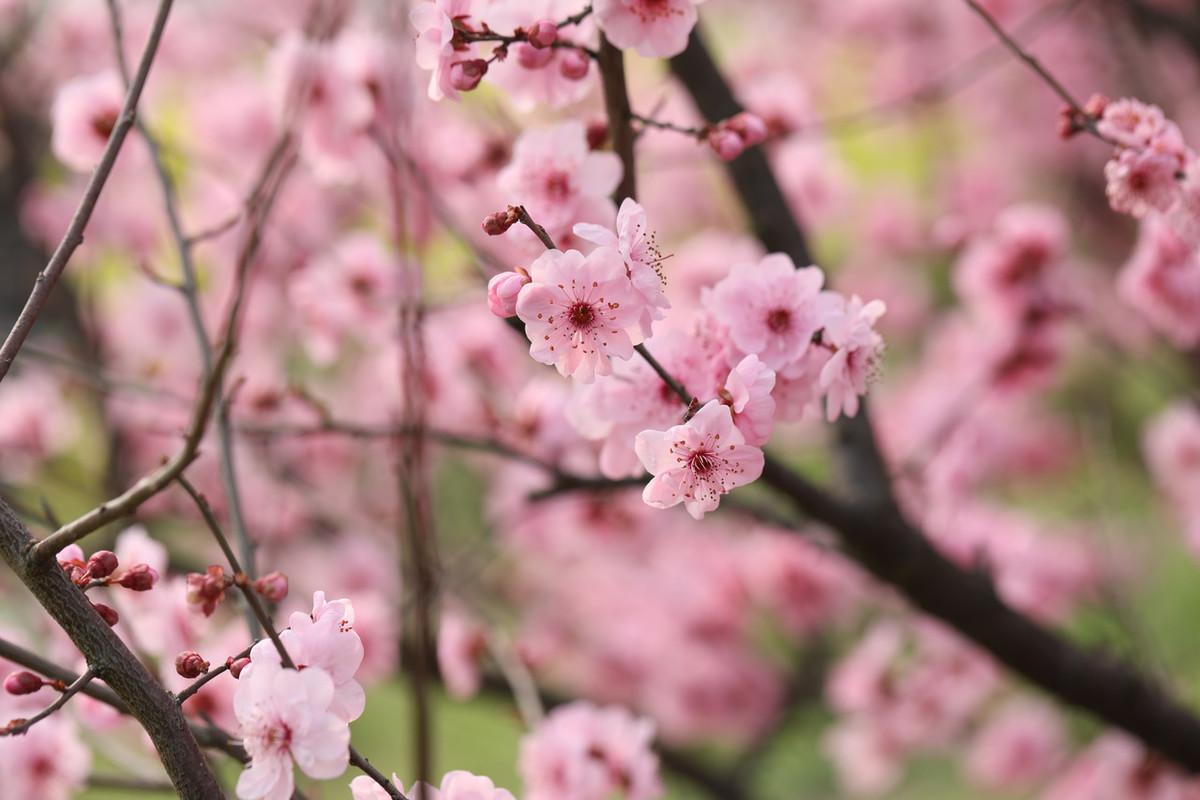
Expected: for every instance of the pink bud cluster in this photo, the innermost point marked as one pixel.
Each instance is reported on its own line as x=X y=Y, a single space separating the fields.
x=730 y=138
x=100 y=568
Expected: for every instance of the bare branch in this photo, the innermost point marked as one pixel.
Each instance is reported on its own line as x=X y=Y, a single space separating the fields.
x=22 y=726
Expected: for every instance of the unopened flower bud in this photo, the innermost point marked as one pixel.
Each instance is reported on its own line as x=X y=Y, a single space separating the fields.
x=102 y=563
x=207 y=589
x=139 y=578
x=236 y=666
x=503 y=290
x=750 y=127
x=107 y=613
x=543 y=33
x=189 y=664
x=1095 y=105
x=530 y=57
x=574 y=65
x=23 y=683
x=499 y=223
x=466 y=75
x=273 y=586
x=726 y=144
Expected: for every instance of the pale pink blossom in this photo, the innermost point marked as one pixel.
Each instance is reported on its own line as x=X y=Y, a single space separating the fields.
x=771 y=309
x=1131 y=122
x=284 y=717
x=325 y=639
x=850 y=333
x=1018 y=746
x=747 y=392
x=86 y=110
x=1115 y=767
x=697 y=462
x=559 y=179
x=534 y=75
x=1141 y=181
x=582 y=752
x=36 y=422
x=48 y=762
x=435 y=50
x=503 y=290
x=456 y=785
x=642 y=258
x=576 y=311
x=461 y=644
x=655 y=28
x=868 y=761
x=1184 y=215
x=1161 y=280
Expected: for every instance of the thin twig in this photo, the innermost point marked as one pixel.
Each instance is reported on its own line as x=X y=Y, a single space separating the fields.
x=216 y=672
x=21 y=727
x=47 y=279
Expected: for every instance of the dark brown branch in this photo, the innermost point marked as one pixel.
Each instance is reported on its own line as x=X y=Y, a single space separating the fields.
x=537 y=229
x=616 y=105
x=48 y=277
x=111 y=661
x=878 y=537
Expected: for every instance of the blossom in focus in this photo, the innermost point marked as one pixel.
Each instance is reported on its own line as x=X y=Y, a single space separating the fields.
x=85 y=112
x=697 y=462
x=642 y=258
x=655 y=28
x=856 y=346
x=325 y=639
x=576 y=311
x=747 y=392
x=285 y=719
x=582 y=752
x=435 y=51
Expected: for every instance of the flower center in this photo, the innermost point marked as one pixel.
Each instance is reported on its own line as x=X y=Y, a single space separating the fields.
x=652 y=10
x=702 y=462
x=103 y=125
x=558 y=185
x=581 y=314
x=779 y=320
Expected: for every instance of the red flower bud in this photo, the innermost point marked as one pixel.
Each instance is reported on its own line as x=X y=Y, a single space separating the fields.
x=107 y=613
x=726 y=144
x=102 y=563
x=574 y=65
x=499 y=223
x=749 y=126
x=189 y=664
x=273 y=586
x=236 y=667
x=139 y=578
x=543 y=33
x=207 y=589
x=466 y=75
x=23 y=683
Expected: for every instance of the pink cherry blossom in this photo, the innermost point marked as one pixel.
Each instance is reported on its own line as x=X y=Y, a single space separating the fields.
x=325 y=639
x=697 y=462
x=435 y=51
x=456 y=785
x=85 y=112
x=503 y=290
x=642 y=257
x=582 y=752
x=284 y=717
x=1161 y=280
x=747 y=392
x=461 y=644
x=1131 y=122
x=850 y=333
x=533 y=75
x=1017 y=747
x=655 y=28
x=771 y=309
x=49 y=762
x=559 y=180
x=1141 y=181
x=576 y=311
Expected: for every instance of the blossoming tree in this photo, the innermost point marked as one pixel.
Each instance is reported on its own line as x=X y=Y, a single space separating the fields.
x=280 y=436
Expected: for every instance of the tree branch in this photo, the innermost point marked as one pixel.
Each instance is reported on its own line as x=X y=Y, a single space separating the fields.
x=21 y=727
x=48 y=277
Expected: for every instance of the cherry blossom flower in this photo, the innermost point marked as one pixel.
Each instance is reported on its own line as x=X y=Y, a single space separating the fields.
x=856 y=350
x=697 y=462
x=655 y=28
x=461 y=643
x=533 y=75
x=85 y=112
x=1131 y=122
x=284 y=717
x=559 y=179
x=48 y=762
x=582 y=752
x=1141 y=181
x=1161 y=280
x=576 y=311
x=435 y=51
x=325 y=639
x=747 y=392
x=503 y=290
x=771 y=309
x=1019 y=745
x=642 y=258
x=456 y=785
